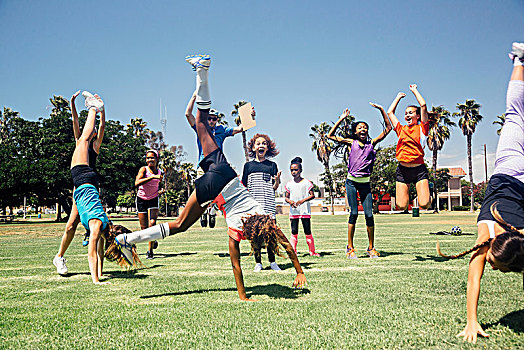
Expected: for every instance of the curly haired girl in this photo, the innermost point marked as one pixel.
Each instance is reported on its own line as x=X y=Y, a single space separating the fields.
x=262 y=178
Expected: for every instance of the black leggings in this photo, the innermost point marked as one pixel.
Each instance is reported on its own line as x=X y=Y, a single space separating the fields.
x=258 y=256
x=306 y=224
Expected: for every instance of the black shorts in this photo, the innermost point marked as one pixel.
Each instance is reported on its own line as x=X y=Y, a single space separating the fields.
x=142 y=205
x=84 y=174
x=508 y=192
x=413 y=175
x=217 y=175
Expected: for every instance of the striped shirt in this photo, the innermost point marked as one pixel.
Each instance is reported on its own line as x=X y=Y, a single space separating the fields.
x=258 y=178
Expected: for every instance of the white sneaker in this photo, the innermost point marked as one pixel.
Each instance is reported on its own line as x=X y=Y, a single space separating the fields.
x=258 y=267
x=125 y=248
x=199 y=61
x=60 y=263
x=517 y=50
x=92 y=101
x=274 y=266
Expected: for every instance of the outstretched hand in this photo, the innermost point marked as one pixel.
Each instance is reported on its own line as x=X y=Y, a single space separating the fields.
x=377 y=105
x=471 y=332
x=300 y=281
x=401 y=95
x=75 y=95
x=253 y=113
x=344 y=114
x=413 y=87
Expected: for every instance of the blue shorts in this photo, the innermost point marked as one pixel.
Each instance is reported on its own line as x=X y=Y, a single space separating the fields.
x=89 y=206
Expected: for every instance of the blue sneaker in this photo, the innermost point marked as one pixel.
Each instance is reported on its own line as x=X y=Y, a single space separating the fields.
x=199 y=61
x=125 y=248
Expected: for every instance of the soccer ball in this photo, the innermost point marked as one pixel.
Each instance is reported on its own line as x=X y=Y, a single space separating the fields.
x=455 y=231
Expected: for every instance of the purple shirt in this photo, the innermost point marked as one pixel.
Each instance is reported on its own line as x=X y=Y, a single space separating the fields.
x=361 y=159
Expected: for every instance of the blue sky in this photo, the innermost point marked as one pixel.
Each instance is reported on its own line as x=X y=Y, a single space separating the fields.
x=298 y=62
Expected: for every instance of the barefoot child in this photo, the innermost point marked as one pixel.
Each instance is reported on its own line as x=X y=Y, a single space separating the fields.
x=410 y=150
x=502 y=213
x=220 y=183
x=299 y=192
x=360 y=165
x=262 y=178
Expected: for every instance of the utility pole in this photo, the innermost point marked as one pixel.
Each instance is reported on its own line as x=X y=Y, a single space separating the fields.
x=485 y=164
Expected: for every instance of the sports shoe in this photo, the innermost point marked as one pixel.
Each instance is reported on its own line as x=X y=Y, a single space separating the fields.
x=85 y=242
x=92 y=101
x=274 y=266
x=350 y=253
x=125 y=248
x=372 y=253
x=199 y=61
x=212 y=220
x=155 y=244
x=60 y=263
x=150 y=255
x=314 y=254
x=517 y=50
x=258 y=267
x=203 y=220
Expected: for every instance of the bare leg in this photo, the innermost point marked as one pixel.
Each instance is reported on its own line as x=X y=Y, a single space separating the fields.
x=402 y=195
x=80 y=156
x=423 y=194
x=371 y=236
x=191 y=213
x=517 y=73
x=351 y=234
x=70 y=229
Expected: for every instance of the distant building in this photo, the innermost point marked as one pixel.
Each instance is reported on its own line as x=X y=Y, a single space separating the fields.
x=453 y=196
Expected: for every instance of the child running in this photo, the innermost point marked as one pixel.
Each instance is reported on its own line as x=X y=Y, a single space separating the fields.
x=148 y=181
x=74 y=219
x=502 y=211
x=221 y=184
x=262 y=178
x=85 y=195
x=299 y=192
x=410 y=150
x=360 y=165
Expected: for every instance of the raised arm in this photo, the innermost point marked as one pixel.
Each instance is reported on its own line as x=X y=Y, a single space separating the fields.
x=331 y=133
x=76 y=126
x=189 y=110
x=393 y=107
x=101 y=129
x=423 y=108
x=387 y=123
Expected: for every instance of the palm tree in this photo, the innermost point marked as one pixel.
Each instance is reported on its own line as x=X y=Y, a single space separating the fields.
x=222 y=119
x=438 y=131
x=189 y=173
x=138 y=125
x=234 y=113
x=323 y=147
x=469 y=118
x=500 y=121
x=60 y=105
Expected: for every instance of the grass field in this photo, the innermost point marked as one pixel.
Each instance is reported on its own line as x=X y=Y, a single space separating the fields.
x=186 y=297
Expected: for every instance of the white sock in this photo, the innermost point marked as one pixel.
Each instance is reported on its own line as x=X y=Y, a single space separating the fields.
x=149 y=234
x=517 y=62
x=203 y=98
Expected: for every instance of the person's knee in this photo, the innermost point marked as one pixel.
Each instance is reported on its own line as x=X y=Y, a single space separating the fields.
x=424 y=205
x=370 y=221
x=402 y=206
x=352 y=219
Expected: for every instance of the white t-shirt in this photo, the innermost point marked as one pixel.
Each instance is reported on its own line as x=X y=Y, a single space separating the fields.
x=298 y=191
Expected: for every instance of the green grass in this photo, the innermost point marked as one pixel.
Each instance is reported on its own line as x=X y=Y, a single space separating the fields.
x=409 y=298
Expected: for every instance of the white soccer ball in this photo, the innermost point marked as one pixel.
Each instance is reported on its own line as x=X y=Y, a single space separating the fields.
x=455 y=231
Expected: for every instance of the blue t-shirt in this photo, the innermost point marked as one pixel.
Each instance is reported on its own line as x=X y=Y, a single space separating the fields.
x=220 y=132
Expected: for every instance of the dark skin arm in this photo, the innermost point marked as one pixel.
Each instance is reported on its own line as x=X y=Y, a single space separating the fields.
x=331 y=133
x=300 y=280
x=234 y=254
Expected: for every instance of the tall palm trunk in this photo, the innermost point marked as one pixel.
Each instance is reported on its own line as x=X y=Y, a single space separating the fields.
x=470 y=167
x=244 y=143
x=435 y=154
x=434 y=194
x=330 y=185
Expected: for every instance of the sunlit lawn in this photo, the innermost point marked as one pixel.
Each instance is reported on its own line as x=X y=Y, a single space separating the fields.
x=186 y=297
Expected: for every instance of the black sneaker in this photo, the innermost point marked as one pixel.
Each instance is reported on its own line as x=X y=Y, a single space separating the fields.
x=149 y=254
x=203 y=220
x=155 y=244
x=212 y=220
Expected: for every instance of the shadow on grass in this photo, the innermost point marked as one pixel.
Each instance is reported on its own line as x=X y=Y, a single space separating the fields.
x=171 y=255
x=384 y=253
x=289 y=265
x=274 y=291
x=226 y=255
x=320 y=253
x=514 y=320
x=430 y=257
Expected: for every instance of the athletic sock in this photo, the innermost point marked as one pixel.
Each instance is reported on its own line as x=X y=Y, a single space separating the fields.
x=294 y=240
x=310 y=243
x=517 y=62
x=203 y=98
x=149 y=234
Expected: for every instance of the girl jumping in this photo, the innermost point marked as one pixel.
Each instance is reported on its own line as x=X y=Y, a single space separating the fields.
x=360 y=165
x=502 y=212
x=148 y=181
x=74 y=219
x=219 y=182
x=299 y=192
x=262 y=178
x=410 y=150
